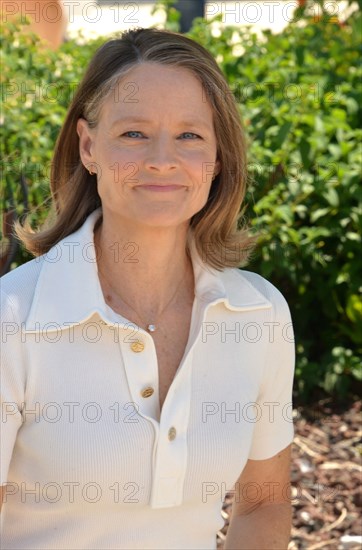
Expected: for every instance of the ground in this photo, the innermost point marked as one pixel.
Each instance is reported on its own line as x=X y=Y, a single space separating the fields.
x=326 y=479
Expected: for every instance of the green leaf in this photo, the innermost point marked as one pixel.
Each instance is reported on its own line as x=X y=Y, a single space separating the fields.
x=299 y=52
x=282 y=134
x=354 y=308
x=331 y=196
x=353 y=236
x=319 y=213
x=335 y=150
x=305 y=149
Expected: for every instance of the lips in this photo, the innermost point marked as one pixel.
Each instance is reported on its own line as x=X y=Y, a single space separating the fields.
x=158 y=187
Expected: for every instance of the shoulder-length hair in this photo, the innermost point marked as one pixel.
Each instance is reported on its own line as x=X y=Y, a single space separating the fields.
x=216 y=228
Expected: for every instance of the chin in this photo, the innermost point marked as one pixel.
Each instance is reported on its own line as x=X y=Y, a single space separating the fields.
x=163 y=224
x=159 y=218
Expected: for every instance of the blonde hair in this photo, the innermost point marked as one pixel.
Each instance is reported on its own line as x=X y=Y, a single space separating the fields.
x=215 y=228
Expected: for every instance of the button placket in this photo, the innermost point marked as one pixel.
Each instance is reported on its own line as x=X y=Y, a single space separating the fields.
x=140 y=363
x=170 y=457
x=171 y=452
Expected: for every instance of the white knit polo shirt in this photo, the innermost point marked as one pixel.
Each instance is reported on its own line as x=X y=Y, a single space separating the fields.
x=88 y=460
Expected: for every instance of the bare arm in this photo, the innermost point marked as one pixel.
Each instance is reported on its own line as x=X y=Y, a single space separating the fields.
x=261 y=520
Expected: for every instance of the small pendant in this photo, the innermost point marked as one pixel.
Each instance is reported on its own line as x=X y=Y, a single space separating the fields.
x=151 y=328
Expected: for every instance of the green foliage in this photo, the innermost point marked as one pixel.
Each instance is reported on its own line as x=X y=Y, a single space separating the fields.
x=300 y=97
x=37 y=85
x=299 y=94
x=172 y=16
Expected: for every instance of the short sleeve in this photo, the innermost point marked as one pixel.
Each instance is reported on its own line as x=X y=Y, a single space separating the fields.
x=274 y=429
x=11 y=384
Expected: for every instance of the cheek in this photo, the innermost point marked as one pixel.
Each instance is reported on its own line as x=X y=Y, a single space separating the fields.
x=203 y=166
x=118 y=168
x=201 y=189
x=203 y=177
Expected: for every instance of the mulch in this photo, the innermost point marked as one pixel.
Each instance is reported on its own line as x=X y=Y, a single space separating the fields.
x=325 y=479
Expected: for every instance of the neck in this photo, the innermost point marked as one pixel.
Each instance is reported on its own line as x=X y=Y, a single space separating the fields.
x=144 y=265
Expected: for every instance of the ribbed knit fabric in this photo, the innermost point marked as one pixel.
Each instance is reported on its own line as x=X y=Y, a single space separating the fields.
x=89 y=462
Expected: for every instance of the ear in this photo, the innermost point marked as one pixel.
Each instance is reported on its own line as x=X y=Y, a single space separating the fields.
x=86 y=143
x=217 y=168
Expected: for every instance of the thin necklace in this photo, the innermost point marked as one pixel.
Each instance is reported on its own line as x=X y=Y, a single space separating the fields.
x=151 y=327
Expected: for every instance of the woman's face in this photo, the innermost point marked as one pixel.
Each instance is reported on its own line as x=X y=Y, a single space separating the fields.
x=154 y=147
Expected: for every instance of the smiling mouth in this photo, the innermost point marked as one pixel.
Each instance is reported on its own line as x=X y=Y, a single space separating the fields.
x=162 y=188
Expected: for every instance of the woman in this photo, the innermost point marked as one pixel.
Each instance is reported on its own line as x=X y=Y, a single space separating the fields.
x=143 y=374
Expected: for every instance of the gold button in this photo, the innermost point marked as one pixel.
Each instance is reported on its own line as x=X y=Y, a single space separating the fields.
x=137 y=346
x=172 y=433
x=147 y=392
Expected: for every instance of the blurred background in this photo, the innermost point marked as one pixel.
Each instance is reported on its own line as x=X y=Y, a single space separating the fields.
x=295 y=70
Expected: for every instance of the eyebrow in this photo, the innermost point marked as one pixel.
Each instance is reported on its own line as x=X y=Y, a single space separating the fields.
x=134 y=119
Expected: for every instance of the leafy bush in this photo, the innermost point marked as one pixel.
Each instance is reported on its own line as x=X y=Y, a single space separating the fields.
x=37 y=85
x=299 y=94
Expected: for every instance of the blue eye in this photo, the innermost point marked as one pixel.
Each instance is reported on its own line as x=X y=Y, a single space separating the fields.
x=190 y=134
x=138 y=134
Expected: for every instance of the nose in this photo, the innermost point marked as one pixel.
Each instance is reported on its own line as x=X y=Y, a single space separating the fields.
x=161 y=155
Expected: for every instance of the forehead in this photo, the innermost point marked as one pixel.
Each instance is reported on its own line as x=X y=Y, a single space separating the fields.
x=151 y=88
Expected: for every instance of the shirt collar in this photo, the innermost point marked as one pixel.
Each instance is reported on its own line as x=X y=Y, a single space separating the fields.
x=68 y=289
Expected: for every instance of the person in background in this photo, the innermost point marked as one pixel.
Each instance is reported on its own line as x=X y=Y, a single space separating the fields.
x=47 y=19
